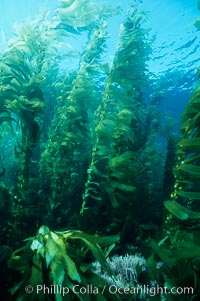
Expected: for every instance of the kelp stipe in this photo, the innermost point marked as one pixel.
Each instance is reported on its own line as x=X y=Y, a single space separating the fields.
x=69 y=139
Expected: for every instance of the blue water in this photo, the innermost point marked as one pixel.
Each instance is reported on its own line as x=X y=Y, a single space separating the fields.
x=175 y=55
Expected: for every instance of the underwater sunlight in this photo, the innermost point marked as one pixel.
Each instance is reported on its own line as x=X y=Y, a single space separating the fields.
x=99 y=150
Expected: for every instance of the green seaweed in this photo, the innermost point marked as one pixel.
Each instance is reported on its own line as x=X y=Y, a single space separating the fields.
x=180 y=248
x=120 y=108
x=60 y=257
x=180 y=211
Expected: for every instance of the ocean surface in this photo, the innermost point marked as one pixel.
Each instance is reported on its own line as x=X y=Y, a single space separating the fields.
x=174 y=59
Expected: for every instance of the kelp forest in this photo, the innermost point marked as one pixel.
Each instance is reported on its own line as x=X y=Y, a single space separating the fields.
x=90 y=206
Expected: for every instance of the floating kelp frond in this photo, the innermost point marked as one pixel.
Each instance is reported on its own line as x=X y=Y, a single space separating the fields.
x=79 y=14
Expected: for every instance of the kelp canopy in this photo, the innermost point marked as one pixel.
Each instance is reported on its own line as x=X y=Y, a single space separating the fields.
x=79 y=150
x=72 y=133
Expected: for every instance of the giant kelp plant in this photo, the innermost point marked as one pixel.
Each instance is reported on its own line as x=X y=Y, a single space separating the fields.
x=122 y=135
x=23 y=78
x=67 y=149
x=84 y=155
x=180 y=248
